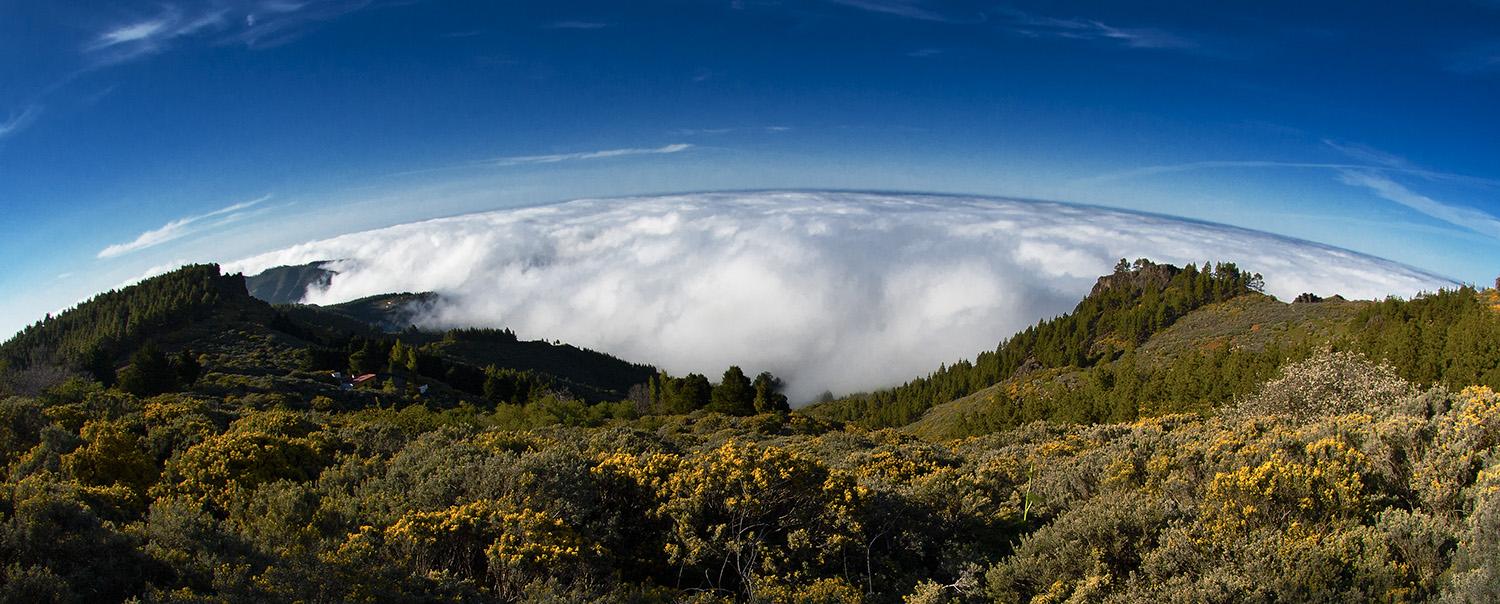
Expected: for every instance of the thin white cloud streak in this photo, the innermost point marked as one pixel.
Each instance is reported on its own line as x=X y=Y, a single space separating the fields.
x=253 y=23
x=1030 y=24
x=1146 y=171
x=137 y=39
x=1369 y=154
x=722 y=131
x=1467 y=218
x=844 y=291
x=134 y=32
x=906 y=9
x=19 y=121
x=1369 y=176
x=1039 y=26
x=180 y=228
x=587 y=155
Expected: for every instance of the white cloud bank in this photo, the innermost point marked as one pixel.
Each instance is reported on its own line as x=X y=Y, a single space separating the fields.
x=844 y=291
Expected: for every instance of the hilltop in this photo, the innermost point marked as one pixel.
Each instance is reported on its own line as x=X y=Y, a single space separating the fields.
x=245 y=343
x=1200 y=362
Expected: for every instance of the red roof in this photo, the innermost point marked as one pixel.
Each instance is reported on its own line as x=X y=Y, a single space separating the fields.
x=364 y=378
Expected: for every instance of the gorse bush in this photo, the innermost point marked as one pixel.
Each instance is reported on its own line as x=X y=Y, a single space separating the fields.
x=1387 y=502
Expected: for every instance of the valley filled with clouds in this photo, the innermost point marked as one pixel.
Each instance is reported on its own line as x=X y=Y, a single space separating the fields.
x=831 y=290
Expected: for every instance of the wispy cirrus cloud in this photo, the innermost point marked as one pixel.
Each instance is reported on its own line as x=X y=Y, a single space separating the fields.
x=135 y=39
x=131 y=33
x=557 y=158
x=1042 y=26
x=19 y=121
x=1148 y=171
x=175 y=24
x=1030 y=24
x=1374 y=174
x=253 y=23
x=181 y=227
x=1368 y=154
x=721 y=131
x=1467 y=218
x=521 y=160
x=906 y=9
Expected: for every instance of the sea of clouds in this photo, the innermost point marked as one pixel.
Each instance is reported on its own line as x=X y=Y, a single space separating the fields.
x=829 y=290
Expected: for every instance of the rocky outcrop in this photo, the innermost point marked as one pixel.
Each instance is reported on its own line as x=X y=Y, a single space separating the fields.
x=1141 y=275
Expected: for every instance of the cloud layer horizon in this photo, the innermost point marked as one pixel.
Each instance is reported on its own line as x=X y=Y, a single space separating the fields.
x=829 y=290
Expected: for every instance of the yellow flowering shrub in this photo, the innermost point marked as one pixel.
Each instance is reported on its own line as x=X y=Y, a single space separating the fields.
x=742 y=510
x=1466 y=435
x=822 y=591
x=486 y=538
x=647 y=472
x=112 y=455
x=512 y=441
x=1284 y=491
x=225 y=466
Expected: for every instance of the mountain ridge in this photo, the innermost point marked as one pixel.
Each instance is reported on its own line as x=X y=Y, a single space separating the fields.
x=289 y=284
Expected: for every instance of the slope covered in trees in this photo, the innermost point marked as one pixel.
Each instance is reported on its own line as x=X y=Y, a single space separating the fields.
x=288 y=284
x=1226 y=350
x=1124 y=308
x=196 y=311
x=93 y=335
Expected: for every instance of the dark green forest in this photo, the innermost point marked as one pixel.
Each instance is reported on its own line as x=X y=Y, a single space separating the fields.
x=1179 y=436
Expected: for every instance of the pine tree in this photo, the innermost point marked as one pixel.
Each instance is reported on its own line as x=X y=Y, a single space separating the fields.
x=734 y=394
x=695 y=392
x=768 y=396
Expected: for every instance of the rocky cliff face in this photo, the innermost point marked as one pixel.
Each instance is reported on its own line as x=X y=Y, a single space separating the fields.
x=1141 y=275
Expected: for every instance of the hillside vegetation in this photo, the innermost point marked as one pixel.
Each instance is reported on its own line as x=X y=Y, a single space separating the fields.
x=1232 y=340
x=1203 y=444
x=1123 y=310
x=288 y=284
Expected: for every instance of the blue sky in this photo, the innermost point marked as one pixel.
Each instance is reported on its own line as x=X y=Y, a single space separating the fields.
x=137 y=135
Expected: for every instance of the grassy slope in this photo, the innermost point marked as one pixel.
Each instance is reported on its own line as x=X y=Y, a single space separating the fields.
x=1248 y=322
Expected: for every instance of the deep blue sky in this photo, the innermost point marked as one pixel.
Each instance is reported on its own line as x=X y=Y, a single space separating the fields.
x=135 y=135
